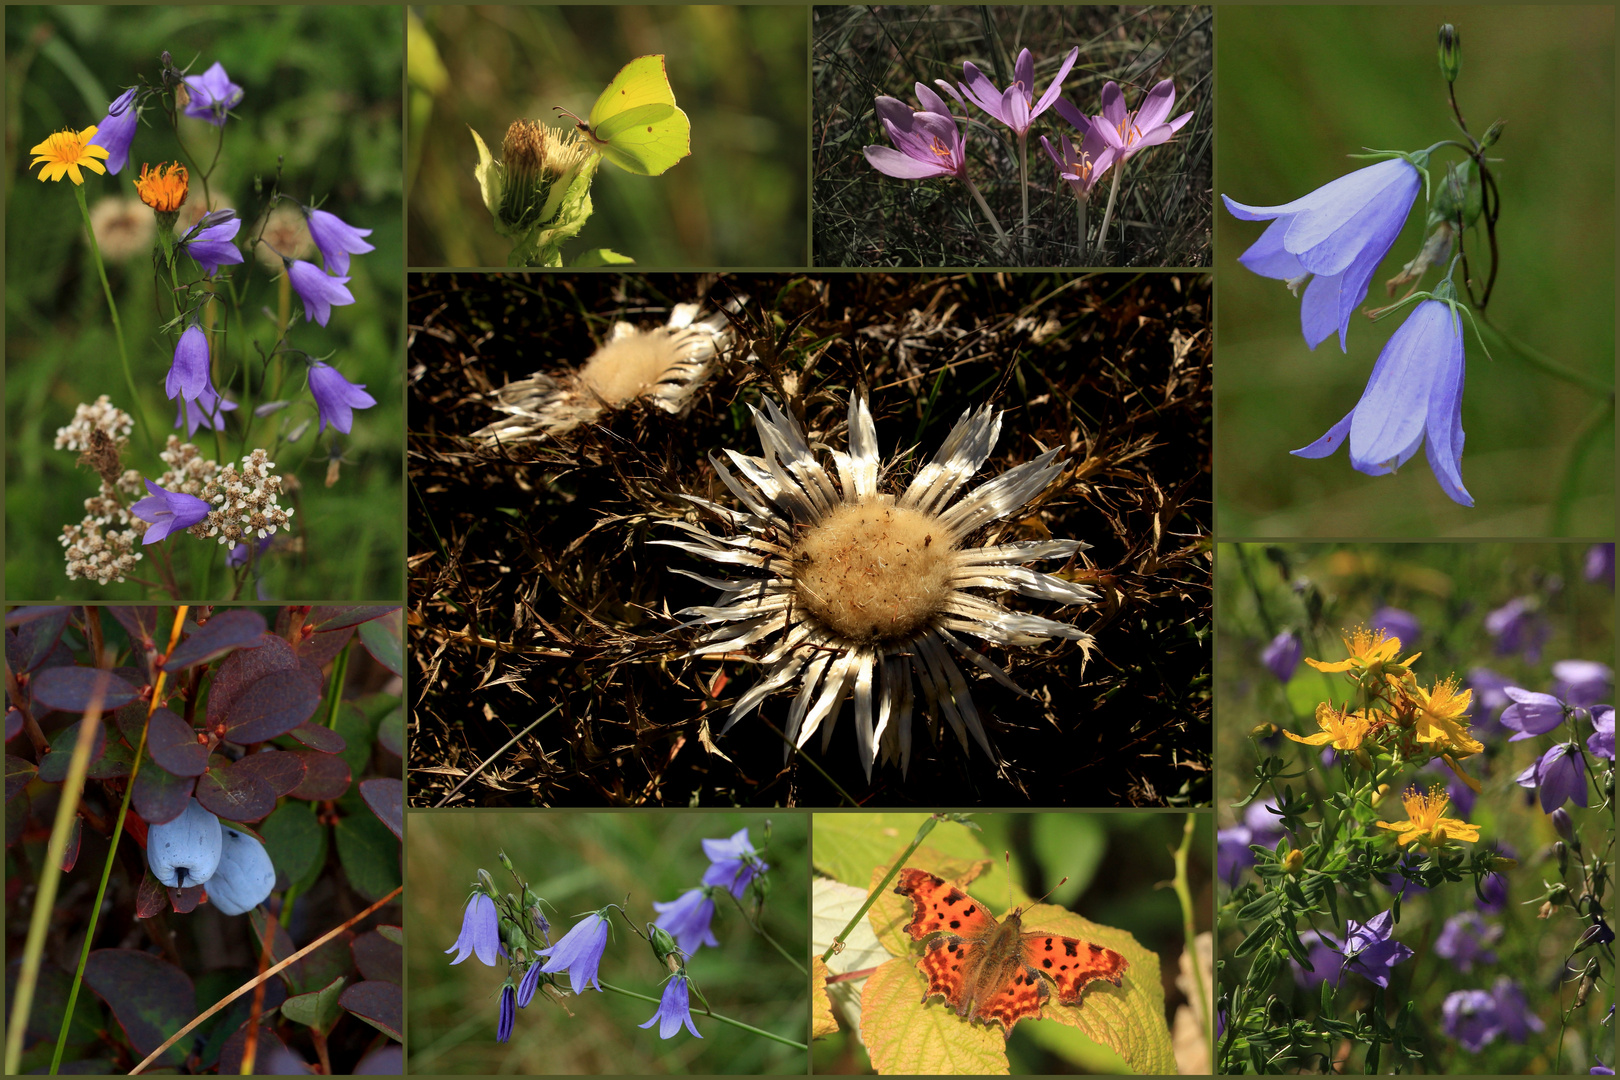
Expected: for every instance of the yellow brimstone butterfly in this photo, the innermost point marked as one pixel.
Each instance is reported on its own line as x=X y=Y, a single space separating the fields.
x=635 y=123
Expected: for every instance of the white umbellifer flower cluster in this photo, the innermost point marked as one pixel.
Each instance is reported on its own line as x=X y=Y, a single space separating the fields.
x=188 y=471
x=246 y=499
x=869 y=589
x=103 y=416
x=665 y=365
x=105 y=546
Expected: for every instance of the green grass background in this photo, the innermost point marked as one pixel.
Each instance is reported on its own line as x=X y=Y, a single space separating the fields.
x=578 y=863
x=321 y=90
x=1299 y=89
x=739 y=74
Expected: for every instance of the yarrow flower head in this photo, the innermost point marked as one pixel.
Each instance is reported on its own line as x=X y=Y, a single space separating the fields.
x=1427 y=826
x=103 y=418
x=926 y=141
x=209 y=241
x=68 y=151
x=117 y=130
x=1369 y=949
x=1414 y=398
x=1016 y=106
x=868 y=589
x=319 y=291
x=688 y=918
x=579 y=952
x=336 y=398
x=480 y=932
x=167 y=512
x=733 y=863
x=1335 y=237
x=337 y=239
x=246 y=501
x=1128 y=133
x=213 y=95
x=674 y=1010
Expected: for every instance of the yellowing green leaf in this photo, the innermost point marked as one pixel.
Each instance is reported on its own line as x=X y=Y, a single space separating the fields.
x=822 y=1022
x=903 y=1037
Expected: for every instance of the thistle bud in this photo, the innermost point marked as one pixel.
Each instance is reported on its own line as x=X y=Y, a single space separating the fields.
x=539 y=192
x=1450 y=52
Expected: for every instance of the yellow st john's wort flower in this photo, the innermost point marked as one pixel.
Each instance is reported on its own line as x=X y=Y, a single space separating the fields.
x=65 y=152
x=1367 y=649
x=1345 y=730
x=1440 y=722
x=1428 y=827
x=163 y=188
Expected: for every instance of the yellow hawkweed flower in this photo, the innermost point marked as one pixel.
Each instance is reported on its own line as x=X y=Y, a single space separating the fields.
x=1428 y=828
x=163 y=188
x=65 y=152
x=1367 y=648
x=1345 y=730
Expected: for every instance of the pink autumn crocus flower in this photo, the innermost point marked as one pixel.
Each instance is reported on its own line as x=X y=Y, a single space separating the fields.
x=926 y=142
x=1084 y=160
x=1129 y=133
x=1016 y=106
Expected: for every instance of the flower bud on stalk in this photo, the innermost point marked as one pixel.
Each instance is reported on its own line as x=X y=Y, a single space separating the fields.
x=488 y=883
x=1450 y=52
x=539 y=193
x=1492 y=133
x=664 y=947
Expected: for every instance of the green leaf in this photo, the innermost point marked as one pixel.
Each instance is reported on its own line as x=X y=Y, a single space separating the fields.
x=602 y=257
x=849 y=845
x=317 y=1010
x=151 y=998
x=368 y=851
x=295 y=841
x=383 y=639
x=357 y=729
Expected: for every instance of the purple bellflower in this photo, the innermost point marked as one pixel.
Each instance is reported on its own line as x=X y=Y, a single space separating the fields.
x=1129 y=133
x=1601 y=743
x=1016 y=106
x=239 y=554
x=1518 y=626
x=1466 y=940
x=480 y=932
x=166 y=512
x=117 y=130
x=1599 y=561
x=207 y=410
x=687 y=920
x=674 y=1009
x=1368 y=950
x=1415 y=393
x=579 y=952
x=1560 y=775
x=212 y=95
x=1337 y=235
x=319 y=291
x=1471 y=1017
x=209 y=241
x=336 y=398
x=503 y=1027
x=1493 y=889
x=528 y=985
x=337 y=239
x=1582 y=683
x=1397 y=624
x=1531 y=714
x=1282 y=655
x=1513 y=1011
x=188 y=374
x=732 y=863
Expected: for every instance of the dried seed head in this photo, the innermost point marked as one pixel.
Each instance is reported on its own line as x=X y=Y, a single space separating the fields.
x=873 y=572
x=631 y=364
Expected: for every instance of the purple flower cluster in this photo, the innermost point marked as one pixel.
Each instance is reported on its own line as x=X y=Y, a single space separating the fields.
x=1466 y=940
x=1476 y=1017
x=1232 y=855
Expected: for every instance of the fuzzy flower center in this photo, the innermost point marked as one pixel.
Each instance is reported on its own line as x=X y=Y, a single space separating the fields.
x=630 y=366
x=873 y=572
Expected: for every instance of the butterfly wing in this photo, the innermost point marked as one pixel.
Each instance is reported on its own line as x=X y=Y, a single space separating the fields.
x=636 y=124
x=1072 y=964
x=939 y=907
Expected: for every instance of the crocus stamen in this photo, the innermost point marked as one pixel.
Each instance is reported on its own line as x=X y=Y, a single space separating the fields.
x=941 y=151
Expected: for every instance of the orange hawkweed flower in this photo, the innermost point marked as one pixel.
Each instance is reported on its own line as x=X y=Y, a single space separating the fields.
x=65 y=152
x=163 y=188
x=1428 y=827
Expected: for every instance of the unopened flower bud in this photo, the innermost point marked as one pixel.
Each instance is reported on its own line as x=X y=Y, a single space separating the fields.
x=516 y=940
x=488 y=883
x=1263 y=731
x=1294 y=862
x=1450 y=52
x=1492 y=133
x=539 y=193
x=506 y=862
x=1565 y=827
x=663 y=946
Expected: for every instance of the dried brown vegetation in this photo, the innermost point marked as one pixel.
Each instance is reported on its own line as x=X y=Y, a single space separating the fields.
x=536 y=597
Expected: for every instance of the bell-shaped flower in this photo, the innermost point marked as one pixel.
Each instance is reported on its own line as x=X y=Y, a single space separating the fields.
x=336 y=398
x=207 y=410
x=319 y=291
x=528 y=985
x=1016 y=106
x=1128 y=133
x=1559 y=776
x=926 y=142
x=1282 y=655
x=733 y=863
x=166 y=512
x=503 y=1025
x=1415 y=392
x=1531 y=713
x=674 y=1009
x=1601 y=742
x=1368 y=948
x=245 y=874
x=209 y=241
x=579 y=953
x=337 y=239
x=188 y=374
x=117 y=131
x=687 y=919
x=185 y=851
x=480 y=932
x=212 y=95
x=1336 y=236
x=1582 y=682
x=1084 y=159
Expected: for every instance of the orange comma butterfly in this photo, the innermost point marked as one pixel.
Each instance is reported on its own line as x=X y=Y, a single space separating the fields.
x=990 y=971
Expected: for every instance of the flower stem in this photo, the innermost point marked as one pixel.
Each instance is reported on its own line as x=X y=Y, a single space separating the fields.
x=922 y=833
x=118 y=326
x=1108 y=214
x=1023 y=190
x=713 y=1016
x=1541 y=362
x=988 y=213
x=1189 y=929
x=1081 y=259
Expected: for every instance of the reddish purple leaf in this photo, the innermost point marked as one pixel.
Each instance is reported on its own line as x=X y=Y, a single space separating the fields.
x=281 y=770
x=386 y=797
x=141 y=625
x=270 y=1058
x=242 y=669
x=19 y=616
x=319 y=738
x=319 y=649
x=233 y=628
x=131 y=720
x=53 y=767
x=151 y=898
x=235 y=793
x=384 y=641
x=159 y=795
x=29 y=644
x=71 y=689
x=327 y=776
x=14 y=723
x=315 y=970
x=380 y=1004
x=114 y=762
x=185 y=900
x=173 y=744
x=19 y=772
x=327 y=619
x=273 y=706
x=377 y=957
x=151 y=998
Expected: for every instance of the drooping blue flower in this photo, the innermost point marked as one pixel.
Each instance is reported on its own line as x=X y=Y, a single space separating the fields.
x=1601 y=742
x=1558 y=776
x=480 y=931
x=209 y=241
x=1338 y=234
x=319 y=291
x=1413 y=398
x=687 y=919
x=239 y=554
x=1466 y=940
x=1518 y=627
x=1531 y=713
x=336 y=398
x=674 y=1009
x=337 y=239
x=212 y=95
x=1368 y=948
x=188 y=374
x=733 y=863
x=1493 y=888
x=1582 y=682
x=168 y=511
x=503 y=1026
x=1600 y=563
x=1396 y=623
x=117 y=130
x=1282 y=655
x=529 y=984
x=579 y=953
x=1471 y=1017
x=207 y=410
x=1325 y=963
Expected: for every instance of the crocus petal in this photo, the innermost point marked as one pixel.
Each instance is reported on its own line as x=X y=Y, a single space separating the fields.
x=1113 y=110
x=930 y=101
x=1156 y=106
x=1055 y=88
x=981 y=91
x=893 y=163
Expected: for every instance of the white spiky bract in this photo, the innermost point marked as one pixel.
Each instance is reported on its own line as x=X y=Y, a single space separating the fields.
x=665 y=365
x=863 y=591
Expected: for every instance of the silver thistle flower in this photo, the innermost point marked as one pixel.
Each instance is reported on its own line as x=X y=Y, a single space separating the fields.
x=866 y=589
x=665 y=365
